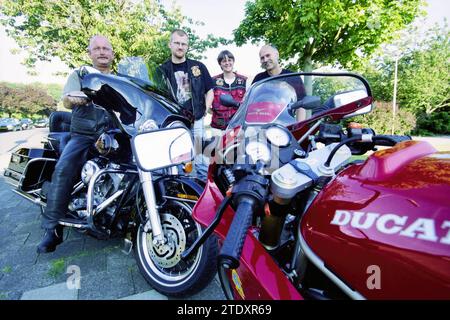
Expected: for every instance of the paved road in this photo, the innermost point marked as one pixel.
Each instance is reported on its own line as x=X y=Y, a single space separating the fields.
x=106 y=272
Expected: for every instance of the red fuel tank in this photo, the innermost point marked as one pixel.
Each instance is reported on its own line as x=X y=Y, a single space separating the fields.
x=383 y=226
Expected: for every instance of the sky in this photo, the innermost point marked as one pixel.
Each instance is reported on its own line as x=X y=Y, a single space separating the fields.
x=220 y=18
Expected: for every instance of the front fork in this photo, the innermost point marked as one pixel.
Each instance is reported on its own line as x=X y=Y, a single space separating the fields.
x=154 y=222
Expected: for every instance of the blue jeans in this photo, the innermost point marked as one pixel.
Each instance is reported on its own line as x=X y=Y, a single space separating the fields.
x=67 y=170
x=201 y=162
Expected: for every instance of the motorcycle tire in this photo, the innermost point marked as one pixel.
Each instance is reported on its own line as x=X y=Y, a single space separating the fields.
x=163 y=269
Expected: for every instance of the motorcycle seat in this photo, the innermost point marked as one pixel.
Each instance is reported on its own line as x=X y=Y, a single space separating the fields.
x=59 y=126
x=58 y=140
x=59 y=121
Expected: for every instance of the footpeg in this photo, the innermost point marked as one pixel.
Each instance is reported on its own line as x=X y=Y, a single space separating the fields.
x=127 y=246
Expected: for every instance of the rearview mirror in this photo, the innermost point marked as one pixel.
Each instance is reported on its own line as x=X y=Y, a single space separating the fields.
x=347 y=97
x=307 y=103
x=163 y=148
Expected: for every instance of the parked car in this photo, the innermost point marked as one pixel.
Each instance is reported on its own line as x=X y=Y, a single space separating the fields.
x=26 y=123
x=10 y=124
x=41 y=123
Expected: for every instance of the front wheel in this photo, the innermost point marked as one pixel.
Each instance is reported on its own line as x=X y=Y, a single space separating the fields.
x=162 y=266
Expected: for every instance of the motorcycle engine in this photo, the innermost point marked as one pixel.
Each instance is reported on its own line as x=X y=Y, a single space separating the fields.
x=106 y=185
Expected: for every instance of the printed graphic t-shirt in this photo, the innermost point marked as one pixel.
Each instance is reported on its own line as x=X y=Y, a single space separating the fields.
x=183 y=85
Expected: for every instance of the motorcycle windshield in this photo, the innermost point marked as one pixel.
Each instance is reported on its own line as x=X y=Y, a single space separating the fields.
x=138 y=72
x=284 y=99
x=140 y=97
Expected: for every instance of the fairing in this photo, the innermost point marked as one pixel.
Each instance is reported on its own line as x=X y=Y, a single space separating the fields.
x=131 y=97
x=399 y=205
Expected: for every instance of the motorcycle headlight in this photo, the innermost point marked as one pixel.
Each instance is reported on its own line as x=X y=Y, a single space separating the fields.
x=106 y=143
x=258 y=151
x=89 y=169
x=148 y=125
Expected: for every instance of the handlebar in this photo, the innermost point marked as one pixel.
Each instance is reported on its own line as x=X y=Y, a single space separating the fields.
x=234 y=242
x=389 y=140
x=249 y=194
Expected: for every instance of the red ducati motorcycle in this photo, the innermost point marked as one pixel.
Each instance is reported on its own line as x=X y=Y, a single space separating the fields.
x=299 y=216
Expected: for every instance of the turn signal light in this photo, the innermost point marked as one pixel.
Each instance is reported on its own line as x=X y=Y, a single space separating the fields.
x=188 y=167
x=355 y=125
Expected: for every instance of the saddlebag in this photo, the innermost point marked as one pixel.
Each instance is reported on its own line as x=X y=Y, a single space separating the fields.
x=29 y=168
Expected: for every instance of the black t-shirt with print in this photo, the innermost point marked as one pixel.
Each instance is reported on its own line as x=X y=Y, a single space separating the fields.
x=183 y=89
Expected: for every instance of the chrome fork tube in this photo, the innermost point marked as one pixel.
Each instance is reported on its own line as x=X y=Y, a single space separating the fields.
x=149 y=195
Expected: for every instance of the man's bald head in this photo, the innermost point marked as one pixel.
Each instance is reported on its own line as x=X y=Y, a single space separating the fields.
x=98 y=38
x=101 y=53
x=269 y=48
x=269 y=56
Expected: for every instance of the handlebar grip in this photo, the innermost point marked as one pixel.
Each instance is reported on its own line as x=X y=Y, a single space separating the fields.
x=390 y=140
x=234 y=242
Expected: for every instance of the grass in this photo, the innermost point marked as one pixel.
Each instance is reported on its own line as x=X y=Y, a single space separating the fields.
x=7 y=269
x=57 y=268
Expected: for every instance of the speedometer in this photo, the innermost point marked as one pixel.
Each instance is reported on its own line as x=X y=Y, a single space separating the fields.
x=277 y=136
x=258 y=151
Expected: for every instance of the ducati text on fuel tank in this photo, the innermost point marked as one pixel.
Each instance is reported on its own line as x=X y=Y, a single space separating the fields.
x=420 y=228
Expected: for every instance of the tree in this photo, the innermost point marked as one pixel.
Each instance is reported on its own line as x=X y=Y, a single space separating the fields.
x=424 y=78
x=9 y=103
x=62 y=28
x=25 y=100
x=319 y=32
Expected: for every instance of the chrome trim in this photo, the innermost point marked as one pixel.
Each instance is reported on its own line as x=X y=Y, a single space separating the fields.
x=73 y=225
x=314 y=127
x=321 y=265
x=77 y=187
x=90 y=191
x=149 y=194
x=107 y=202
x=29 y=197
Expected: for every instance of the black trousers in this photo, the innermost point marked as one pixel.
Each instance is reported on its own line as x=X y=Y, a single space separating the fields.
x=67 y=172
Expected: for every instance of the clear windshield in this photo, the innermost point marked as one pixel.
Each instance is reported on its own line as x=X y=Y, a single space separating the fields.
x=286 y=98
x=143 y=75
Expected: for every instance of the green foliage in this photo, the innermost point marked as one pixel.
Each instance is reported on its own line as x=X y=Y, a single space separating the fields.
x=25 y=100
x=424 y=77
x=325 y=32
x=380 y=120
x=62 y=28
x=435 y=123
x=326 y=87
x=423 y=74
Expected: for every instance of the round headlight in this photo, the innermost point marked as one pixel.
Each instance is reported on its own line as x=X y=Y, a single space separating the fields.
x=277 y=136
x=89 y=169
x=258 y=151
x=148 y=125
x=106 y=144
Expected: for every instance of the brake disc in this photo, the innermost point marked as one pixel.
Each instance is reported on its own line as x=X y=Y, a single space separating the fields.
x=168 y=254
